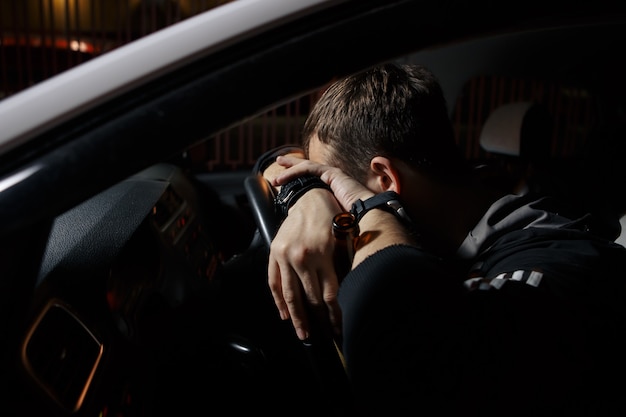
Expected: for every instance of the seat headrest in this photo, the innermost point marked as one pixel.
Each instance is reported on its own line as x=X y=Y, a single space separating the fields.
x=521 y=129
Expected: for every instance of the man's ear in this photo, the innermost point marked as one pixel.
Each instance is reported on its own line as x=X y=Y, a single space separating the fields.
x=384 y=176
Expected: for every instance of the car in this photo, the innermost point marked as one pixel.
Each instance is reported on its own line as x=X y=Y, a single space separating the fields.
x=136 y=285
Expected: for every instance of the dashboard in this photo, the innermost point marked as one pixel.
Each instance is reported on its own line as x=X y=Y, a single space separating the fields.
x=152 y=296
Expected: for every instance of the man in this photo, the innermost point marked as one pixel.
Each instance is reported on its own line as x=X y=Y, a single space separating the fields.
x=482 y=303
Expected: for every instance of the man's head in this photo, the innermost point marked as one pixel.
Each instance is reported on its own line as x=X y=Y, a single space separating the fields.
x=388 y=127
x=395 y=111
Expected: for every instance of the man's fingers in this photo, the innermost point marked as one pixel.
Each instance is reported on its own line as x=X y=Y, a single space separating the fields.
x=295 y=168
x=293 y=297
x=274 y=281
x=287 y=292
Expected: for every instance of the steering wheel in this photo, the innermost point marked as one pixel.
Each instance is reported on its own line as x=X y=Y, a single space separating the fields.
x=261 y=197
x=320 y=347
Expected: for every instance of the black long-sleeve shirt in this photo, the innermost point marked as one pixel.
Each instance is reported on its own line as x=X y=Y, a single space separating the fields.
x=530 y=321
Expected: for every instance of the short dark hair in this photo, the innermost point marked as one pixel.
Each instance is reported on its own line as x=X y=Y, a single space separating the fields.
x=391 y=110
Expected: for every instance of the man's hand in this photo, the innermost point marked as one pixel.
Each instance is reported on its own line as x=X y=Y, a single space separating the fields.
x=274 y=170
x=301 y=271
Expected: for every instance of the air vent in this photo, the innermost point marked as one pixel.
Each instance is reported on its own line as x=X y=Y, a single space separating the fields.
x=62 y=355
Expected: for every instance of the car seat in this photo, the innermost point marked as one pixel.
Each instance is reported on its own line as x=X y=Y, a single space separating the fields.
x=517 y=137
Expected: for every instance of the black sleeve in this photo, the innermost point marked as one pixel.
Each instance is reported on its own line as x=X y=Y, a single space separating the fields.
x=401 y=330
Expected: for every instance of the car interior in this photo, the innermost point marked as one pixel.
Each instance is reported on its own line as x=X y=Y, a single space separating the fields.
x=151 y=296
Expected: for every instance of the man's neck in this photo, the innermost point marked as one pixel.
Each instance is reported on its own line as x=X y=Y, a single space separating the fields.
x=454 y=211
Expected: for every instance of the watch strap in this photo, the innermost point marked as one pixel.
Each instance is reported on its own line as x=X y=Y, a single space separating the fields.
x=294 y=189
x=388 y=201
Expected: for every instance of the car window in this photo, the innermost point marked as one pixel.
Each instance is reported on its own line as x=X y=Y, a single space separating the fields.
x=39 y=40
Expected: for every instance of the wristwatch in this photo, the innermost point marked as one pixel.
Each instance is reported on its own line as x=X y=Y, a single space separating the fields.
x=293 y=190
x=388 y=201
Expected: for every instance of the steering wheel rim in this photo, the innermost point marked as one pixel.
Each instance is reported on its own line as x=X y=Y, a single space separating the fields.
x=261 y=198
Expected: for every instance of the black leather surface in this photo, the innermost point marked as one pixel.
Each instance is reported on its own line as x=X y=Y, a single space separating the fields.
x=95 y=231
